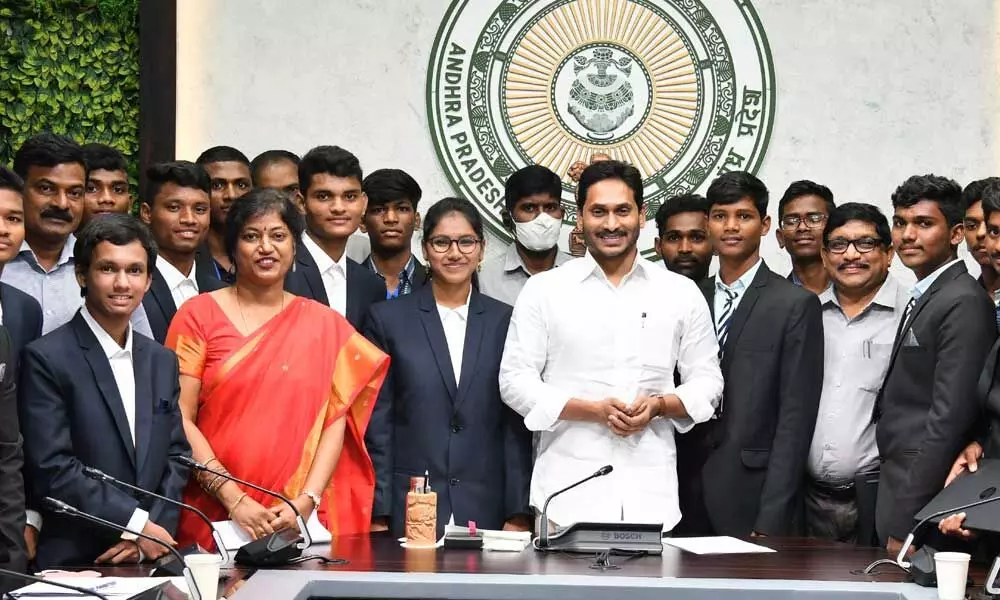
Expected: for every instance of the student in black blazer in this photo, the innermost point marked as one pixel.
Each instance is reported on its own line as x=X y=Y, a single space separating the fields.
x=440 y=408
x=928 y=406
x=176 y=209
x=81 y=404
x=12 y=550
x=330 y=182
x=771 y=339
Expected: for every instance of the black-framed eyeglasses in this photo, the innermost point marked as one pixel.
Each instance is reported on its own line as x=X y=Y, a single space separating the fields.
x=862 y=245
x=467 y=244
x=813 y=220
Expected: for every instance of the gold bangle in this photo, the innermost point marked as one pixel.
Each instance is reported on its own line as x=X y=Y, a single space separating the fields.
x=236 y=504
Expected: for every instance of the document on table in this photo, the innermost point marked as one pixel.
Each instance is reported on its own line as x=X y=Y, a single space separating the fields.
x=235 y=538
x=715 y=545
x=109 y=586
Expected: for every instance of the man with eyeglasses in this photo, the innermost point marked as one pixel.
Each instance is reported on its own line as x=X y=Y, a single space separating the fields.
x=861 y=311
x=802 y=212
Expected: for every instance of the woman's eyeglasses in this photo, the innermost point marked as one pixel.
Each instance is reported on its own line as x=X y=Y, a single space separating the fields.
x=442 y=244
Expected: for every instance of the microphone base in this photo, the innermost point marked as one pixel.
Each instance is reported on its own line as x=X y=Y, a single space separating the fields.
x=922 y=568
x=274 y=550
x=588 y=538
x=168 y=565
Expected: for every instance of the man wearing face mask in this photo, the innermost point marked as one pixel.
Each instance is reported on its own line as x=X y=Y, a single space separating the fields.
x=534 y=215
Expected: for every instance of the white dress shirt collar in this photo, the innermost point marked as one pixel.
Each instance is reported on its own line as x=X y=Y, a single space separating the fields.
x=454 y=322
x=743 y=282
x=921 y=287
x=586 y=267
x=323 y=261
x=333 y=273
x=108 y=343
x=181 y=288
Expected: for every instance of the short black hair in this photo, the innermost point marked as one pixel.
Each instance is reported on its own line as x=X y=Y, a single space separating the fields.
x=255 y=203
x=47 y=150
x=675 y=205
x=974 y=191
x=731 y=187
x=102 y=156
x=183 y=173
x=805 y=187
x=120 y=230
x=268 y=158
x=9 y=180
x=388 y=185
x=332 y=160
x=858 y=211
x=945 y=192
x=990 y=195
x=446 y=206
x=609 y=169
x=531 y=180
x=222 y=154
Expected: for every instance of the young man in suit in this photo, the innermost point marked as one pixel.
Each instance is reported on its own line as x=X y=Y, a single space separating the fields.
x=330 y=179
x=802 y=213
x=95 y=394
x=390 y=220
x=770 y=335
x=107 y=183
x=229 y=172
x=176 y=209
x=12 y=540
x=23 y=314
x=928 y=406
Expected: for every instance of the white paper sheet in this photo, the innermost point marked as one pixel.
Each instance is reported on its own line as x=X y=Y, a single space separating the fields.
x=109 y=586
x=715 y=545
x=235 y=538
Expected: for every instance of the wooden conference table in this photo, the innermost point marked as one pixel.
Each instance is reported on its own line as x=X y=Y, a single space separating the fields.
x=379 y=568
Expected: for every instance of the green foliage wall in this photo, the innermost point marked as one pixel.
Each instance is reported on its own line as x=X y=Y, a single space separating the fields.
x=72 y=67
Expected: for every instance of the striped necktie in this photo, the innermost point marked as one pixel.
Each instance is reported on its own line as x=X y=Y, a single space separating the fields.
x=725 y=316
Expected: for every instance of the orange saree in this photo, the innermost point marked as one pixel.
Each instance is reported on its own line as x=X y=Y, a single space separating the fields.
x=266 y=398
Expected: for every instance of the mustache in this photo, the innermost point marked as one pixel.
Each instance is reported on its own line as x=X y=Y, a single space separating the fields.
x=610 y=232
x=60 y=214
x=859 y=265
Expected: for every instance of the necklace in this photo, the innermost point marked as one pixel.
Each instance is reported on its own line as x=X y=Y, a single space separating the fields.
x=239 y=305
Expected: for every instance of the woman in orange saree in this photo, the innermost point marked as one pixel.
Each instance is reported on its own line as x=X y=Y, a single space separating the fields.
x=275 y=389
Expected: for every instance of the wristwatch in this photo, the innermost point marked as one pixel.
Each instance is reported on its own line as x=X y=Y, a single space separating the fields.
x=314 y=497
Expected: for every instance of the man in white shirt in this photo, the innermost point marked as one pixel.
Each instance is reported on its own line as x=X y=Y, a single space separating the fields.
x=605 y=394
x=92 y=393
x=177 y=210
x=330 y=182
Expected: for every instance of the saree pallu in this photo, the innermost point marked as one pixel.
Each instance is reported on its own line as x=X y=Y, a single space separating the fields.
x=266 y=399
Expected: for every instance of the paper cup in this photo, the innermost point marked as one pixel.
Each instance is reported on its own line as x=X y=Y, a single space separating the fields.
x=205 y=570
x=952 y=570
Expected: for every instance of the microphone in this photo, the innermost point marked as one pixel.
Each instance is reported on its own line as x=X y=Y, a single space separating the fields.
x=34 y=579
x=275 y=549
x=901 y=557
x=100 y=475
x=60 y=507
x=543 y=535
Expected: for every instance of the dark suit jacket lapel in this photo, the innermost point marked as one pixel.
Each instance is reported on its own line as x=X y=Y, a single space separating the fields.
x=204 y=274
x=419 y=276
x=307 y=269
x=707 y=287
x=143 y=401
x=105 y=379
x=943 y=279
x=744 y=308
x=431 y=321
x=354 y=293
x=474 y=328
x=161 y=294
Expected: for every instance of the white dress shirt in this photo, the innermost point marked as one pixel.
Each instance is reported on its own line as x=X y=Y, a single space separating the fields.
x=454 y=321
x=575 y=335
x=333 y=273
x=182 y=288
x=123 y=371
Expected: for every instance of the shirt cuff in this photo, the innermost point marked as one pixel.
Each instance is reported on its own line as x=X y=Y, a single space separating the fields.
x=136 y=523
x=698 y=411
x=34 y=518
x=544 y=415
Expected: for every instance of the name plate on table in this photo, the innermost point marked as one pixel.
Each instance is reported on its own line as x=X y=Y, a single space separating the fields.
x=600 y=537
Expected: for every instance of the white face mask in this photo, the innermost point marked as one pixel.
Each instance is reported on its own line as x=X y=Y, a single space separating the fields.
x=540 y=233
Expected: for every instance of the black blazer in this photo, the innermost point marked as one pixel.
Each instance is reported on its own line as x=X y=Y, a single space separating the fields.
x=756 y=451
x=12 y=552
x=364 y=287
x=22 y=317
x=475 y=447
x=72 y=415
x=928 y=407
x=159 y=303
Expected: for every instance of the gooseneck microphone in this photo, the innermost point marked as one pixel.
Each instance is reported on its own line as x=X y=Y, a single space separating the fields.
x=190 y=462
x=901 y=557
x=34 y=579
x=60 y=507
x=100 y=475
x=543 y=534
